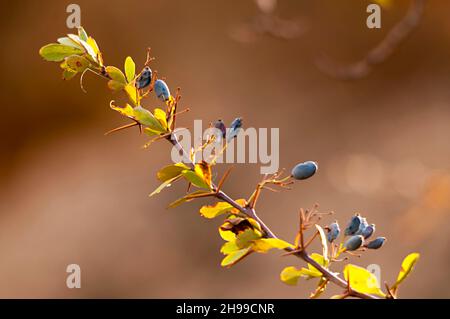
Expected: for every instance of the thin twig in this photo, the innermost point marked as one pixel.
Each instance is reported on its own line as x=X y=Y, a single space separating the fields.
x=379 y=53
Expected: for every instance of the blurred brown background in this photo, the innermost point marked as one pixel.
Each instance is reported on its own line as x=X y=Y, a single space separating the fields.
x=68 y=194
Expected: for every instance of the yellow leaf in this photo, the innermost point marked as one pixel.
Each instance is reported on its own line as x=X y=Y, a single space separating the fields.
x=195 y=179
x=117 y=81
x=362 y=280
x=229 y=247
x=203 y=169
x=160 y=115
x=407 y=266
x=247 y=237
x=212 y=211
x=126 y=111
x=93 y=44
x=235 y=256
x=132 y=93
x=227 y=235
x=265 y=244
x=186 y=198
x=76 y=63
x=164 y=185
x=130 y=69
x=170 y=171
x=290 y=275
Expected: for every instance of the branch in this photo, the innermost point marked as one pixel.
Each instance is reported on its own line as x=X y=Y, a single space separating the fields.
x=173 y=139
x=379 y=53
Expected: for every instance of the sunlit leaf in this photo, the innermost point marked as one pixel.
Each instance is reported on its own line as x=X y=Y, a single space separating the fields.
x=290 y=275
x=69 y=42
x=130 y=69
x=126 y=111
x=93 y=44
x=170 y=171
x=323 y=241
x=160 y=115
x=186 y=198
x=164 y=185
x=362 y=280
x=145 y=117
x=235 y=256
x=68 y=74
x=76 y=63
x=227 y=235
x=212 y=211
x=265 y=244
x=117 y=81
x=247 y=237
x=312 y=271
x=203 y=169
x=406 y=268
x=87 y=48
x=132 y=93
x=229 y=247
x=82 y=34
x=195 y=179
x=58 y=52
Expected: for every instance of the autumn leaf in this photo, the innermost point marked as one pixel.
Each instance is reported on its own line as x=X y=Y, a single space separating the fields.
x=362 y=280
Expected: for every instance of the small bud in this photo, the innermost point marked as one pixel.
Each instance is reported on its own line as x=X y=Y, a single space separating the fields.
x=368 y=231
x=304 y=170
x=354 y=242
x=376 y=243
x=162 y=90
x=353 y=226
x=333 y=231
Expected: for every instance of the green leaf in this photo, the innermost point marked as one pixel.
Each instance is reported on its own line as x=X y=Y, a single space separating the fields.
x=145 y=117
x=117 y=81
x=82 y=34
x=58 y=52
x=87 y=48
x=212 y=211
x=76 y=63
x=234 y=257
x=164 y=185
x=195 y=179
x=130 y=69
x=362 y=280
x=406 y=268
x=170 y=171
x=68 y=74
x=290 y=275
